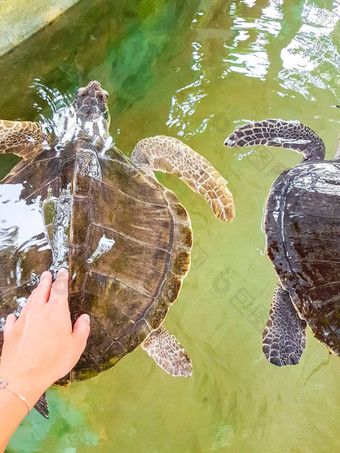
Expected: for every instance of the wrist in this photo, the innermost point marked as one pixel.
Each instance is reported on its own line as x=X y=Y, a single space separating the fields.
x=24 y=384
x=9 y=399
x=4 y=386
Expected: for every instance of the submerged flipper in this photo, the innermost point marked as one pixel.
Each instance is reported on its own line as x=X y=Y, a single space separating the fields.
x=170 y=155
x=22 y=138
x=284 y=338
x=168 y=353
x=42 y=406
x=284 y=134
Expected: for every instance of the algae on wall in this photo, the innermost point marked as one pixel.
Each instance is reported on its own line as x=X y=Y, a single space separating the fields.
x=93 y=40
x=20 y=19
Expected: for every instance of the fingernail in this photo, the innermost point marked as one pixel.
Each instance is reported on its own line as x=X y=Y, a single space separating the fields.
x=62 y=272
x=87 y=317
x=44 y=274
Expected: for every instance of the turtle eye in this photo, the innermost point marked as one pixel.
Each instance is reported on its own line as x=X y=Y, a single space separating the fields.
x=106 y=115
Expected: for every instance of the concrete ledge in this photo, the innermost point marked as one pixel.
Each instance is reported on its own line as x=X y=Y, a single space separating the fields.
x=20 y=19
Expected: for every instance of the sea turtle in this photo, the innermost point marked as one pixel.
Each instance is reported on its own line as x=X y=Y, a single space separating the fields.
x=302 y=227
x=80 y=203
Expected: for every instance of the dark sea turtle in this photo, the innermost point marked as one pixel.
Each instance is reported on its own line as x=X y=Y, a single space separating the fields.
x=80 y=203
x=302 y=226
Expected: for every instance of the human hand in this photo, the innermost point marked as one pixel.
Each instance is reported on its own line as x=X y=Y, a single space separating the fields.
x=40 y=346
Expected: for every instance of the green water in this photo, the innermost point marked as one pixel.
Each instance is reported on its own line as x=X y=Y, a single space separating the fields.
x=195 y=70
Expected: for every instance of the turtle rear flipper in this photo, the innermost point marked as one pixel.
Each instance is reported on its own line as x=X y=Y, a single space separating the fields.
x=168 y=353
x=283 y=134
x=170 y=155
x=284 y=338
x=22 y=138
x=42 y=406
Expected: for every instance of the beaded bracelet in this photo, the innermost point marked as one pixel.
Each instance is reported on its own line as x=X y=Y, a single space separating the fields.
x=3 y=385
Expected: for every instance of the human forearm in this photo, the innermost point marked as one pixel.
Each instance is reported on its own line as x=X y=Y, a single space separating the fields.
x=18 y=394
x=39 y=348
x=13 y=410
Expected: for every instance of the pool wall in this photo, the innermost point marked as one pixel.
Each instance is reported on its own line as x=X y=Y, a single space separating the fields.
x=20 y=19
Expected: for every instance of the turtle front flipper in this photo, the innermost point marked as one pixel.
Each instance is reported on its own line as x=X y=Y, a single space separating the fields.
x=170 y=155
x=284 y=338
x=283 y=134
x=24 y=139
x=168 y=353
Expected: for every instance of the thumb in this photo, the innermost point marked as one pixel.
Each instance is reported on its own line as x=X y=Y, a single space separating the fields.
x=81 y=331
x=10 y=321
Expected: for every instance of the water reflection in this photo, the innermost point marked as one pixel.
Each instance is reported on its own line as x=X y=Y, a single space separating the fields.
x=247 y=53
x=14 y=228
x=184 y=102
x=311 y=49
x=262 y=48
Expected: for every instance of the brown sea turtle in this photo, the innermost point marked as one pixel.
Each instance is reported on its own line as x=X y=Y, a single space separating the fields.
x=80 y=203
x=302 y=226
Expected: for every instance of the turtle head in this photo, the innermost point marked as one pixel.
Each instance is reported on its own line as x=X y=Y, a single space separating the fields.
x=91 y=109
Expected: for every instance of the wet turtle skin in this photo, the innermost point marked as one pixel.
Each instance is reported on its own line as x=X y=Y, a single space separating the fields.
x=303 y=242
x=302 y=227
x=128 y=289
x=81 y=204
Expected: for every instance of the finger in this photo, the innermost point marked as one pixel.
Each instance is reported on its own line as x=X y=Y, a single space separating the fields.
x=59 y=291
x=41 y=293
x=80 y=334
x=10 y=321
